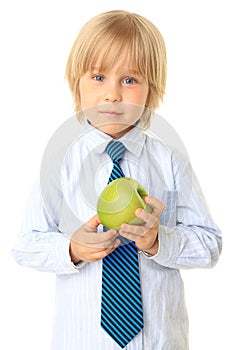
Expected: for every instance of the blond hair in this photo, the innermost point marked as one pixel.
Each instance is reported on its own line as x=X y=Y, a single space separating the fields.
x=104 y=37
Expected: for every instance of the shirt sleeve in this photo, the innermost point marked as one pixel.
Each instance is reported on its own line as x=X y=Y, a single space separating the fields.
x=40 y=244
x=188 y=236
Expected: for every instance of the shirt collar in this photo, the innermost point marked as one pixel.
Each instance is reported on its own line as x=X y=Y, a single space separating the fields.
x=134 y=139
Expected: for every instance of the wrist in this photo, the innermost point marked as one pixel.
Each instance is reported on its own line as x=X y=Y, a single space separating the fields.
x=152 y=250
x=73 y=257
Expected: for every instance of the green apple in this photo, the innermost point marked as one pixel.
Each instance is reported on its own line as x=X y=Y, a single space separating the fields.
x=119 y=200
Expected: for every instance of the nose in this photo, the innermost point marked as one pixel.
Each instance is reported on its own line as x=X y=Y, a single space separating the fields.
x=112 y=93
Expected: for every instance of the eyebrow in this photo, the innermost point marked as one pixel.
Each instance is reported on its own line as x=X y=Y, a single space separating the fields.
x=128 y=71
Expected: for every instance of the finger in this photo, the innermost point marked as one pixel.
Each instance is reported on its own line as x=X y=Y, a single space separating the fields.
x=150 y=219
x=103 y=253
x=94 y=242
x=133 y=232
x=100 y=237
x=157 y=205
x=134 y=229
x=130 y=236
x=94 y=221
x=104 y=237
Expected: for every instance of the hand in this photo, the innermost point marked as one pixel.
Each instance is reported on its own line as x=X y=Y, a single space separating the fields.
x=88 y=245
x=145 y=236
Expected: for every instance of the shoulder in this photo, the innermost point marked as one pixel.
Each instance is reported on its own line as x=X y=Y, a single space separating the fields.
x=165 y=154
x=168 y=145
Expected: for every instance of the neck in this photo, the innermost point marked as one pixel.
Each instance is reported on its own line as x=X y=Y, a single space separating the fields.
x=118 y=135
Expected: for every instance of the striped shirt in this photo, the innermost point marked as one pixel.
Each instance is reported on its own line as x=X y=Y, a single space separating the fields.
x=66 y=197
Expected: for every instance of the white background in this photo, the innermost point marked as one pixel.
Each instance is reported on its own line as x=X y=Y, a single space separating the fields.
x=36 y=37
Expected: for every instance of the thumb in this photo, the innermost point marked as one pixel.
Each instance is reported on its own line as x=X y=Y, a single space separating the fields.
x=94 y=221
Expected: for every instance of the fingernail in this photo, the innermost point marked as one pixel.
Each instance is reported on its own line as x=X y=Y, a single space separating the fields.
x=138 y=212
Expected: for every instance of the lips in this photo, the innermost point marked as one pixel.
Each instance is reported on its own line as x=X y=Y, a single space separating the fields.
x=111 y=113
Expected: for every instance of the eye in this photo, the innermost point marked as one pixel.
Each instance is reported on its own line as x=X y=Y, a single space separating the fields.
x=129 y=80
x=98 y=78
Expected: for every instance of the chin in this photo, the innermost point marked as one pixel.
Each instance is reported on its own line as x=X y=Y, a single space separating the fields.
x=116 y=130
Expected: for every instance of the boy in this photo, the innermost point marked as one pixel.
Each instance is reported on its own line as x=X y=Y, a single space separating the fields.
x=117 y=74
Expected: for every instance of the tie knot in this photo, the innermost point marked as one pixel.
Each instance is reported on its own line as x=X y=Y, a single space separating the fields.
x=115 y=150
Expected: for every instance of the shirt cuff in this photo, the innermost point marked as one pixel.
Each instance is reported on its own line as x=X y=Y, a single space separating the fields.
x=61 y=256
x=80 y=264
x=168 y=247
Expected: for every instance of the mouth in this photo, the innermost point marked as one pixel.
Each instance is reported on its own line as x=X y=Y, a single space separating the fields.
x=111 y=113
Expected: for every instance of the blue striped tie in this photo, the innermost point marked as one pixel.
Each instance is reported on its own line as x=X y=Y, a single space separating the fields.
x=121 y=307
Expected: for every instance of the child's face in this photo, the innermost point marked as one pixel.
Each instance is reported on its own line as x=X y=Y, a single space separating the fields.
x=113 y=100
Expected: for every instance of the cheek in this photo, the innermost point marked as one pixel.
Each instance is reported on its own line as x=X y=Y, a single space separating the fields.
x=146 y=96
x=82 y=100
x=84 y=96
x=89 y=97
x=141 y=96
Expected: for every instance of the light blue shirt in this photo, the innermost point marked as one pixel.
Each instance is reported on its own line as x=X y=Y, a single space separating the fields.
x=66 y=197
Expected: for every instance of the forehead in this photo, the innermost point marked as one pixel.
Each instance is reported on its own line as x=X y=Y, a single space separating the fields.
x=112 y=59
x=123 y=63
